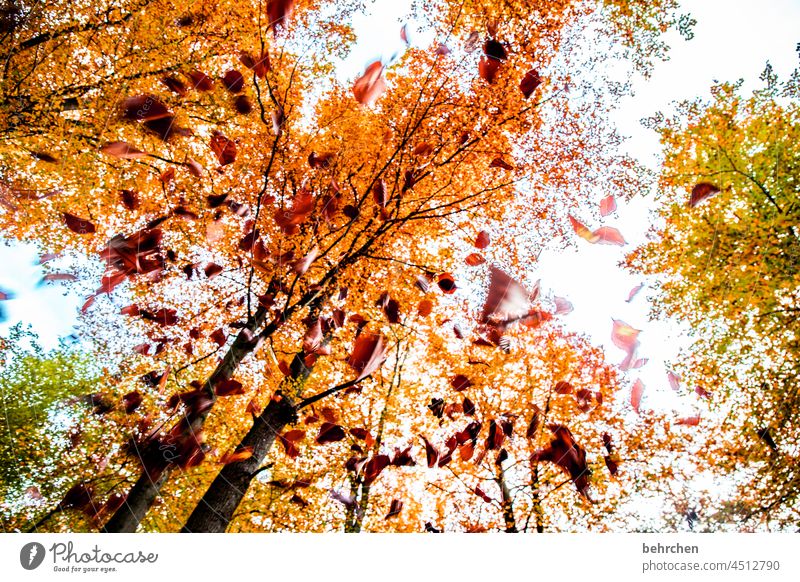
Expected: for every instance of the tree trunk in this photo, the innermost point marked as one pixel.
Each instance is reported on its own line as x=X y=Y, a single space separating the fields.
x=214 y=511
x=508 y=503
x=140 y=498
x=143 y=494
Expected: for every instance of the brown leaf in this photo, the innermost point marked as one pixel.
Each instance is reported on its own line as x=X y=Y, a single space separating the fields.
x=607 y=205
x=501 y=163
x=123 y=150
x=394 y=509
x=229 y=387
x=529 y=83
x=431 y=454
x=223 y=148
x=475 y=259
x=371 y=85
x=483 y=240
x=702 y=192
x=145 y=108
x=233 y=81
x=568 y=455
x=460 y=382
x=173 y=83
x=425 y=308
x=329 y=433
x=78 y=225
x=636 y=394
x=368 y=354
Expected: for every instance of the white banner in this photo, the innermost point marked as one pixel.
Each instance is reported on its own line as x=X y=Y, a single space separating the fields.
x=352 y=558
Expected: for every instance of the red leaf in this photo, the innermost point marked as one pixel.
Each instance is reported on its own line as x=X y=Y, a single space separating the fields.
x=425 y=308
x=123 y=150
x=329 y=433
x=233 y=81
x=302 y=206
x=175 y=84
x=300 y=266
x=223 y=148
x=701 y=192
x=395 y=508
x=242 y=104
x=78 y=225
x=446 y=283
x=373 y=468
x=530 y=82
x=228 y=387
x=80 y=496
x=431 y=454
x=674 y=380
x=689 y=420
x=212 y=270
x=636 y=394
x=201 y=81
x=608 y=235
x=479 y=492
x=483 y=240
x=371 y=85
x=294 y=435
x=368 y=354
x=568 y=455
x=634 y=292
x=501 y=163
x=562 y=306
x=279 y=12
x=507 y=300
x=460 y=382
x=379 y=194
x=563 y=387
x=219 y=337
x=607 y=205
x=145 y=108
x=131 y=401
x=474 y=259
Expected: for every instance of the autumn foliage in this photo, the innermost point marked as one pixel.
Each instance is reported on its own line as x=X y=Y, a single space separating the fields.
x=311 y=294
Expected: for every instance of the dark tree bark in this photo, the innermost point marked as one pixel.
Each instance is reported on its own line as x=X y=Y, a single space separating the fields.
x=141 y=497
x=214 y=511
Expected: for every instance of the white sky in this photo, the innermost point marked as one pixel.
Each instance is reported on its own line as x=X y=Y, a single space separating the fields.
x=733 y=39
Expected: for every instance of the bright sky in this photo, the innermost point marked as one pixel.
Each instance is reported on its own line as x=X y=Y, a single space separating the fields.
x=733 y=39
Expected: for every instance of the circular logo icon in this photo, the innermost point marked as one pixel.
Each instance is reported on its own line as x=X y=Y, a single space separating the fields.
x=31 y=555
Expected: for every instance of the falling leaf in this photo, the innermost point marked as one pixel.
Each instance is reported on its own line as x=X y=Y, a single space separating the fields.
x=529 y=83
x=702 y=192
x=460 y=382
x=634 y=292
x=223 y=148
x=233 y=81
x=607 y=205
x=329 y=433
x=279 y=12
x=368 y=354
x=636 y=394
x=371 y=85
x=674 y=380
x=474 y=259
x=689 y=420
x=483 y=240
x=431 y=453
x=78 y=225
x=501 y=163
x=394 y=509
x=603 y=235
x=562 y=306
x=123 y=150
x=568 y=455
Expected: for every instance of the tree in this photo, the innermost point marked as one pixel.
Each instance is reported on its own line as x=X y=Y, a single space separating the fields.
x=241 y=195
x=726 y=259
